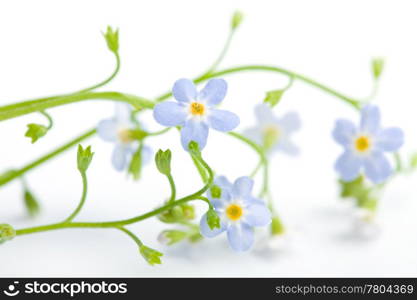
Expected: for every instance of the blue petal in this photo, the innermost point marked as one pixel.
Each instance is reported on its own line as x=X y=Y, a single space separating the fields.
x=240 y=236
x=119 y=157
x=196 y=131
x=287 y=146
x=348 y=166
x=123 y=113
x=206 y=231
x=290 y=122
x=170 y=113
x=146 y=154
x=343 y=132
x=377 y=167
x=214 y=91
x=264 y=114
x=222 y=120
x=107 y=130
x=257 y=215
x=242 y=187
x=370 y=119
x=390 y=139
x=184 y=90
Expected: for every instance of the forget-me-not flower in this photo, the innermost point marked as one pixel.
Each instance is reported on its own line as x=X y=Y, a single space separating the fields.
x=365 y=146
x=195 y=111
x=118 y=130
x=273 y=133
x=238 y=211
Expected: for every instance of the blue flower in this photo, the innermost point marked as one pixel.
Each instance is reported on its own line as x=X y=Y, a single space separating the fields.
x=117 y=130
x=195 y=111
x=273 y=133
x=238 y=211
x=365 y=146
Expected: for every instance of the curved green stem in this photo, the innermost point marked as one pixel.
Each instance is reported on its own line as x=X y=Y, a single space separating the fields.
x=11 y=175
x=82 y=201
x=106 y=81
x=49 y=118
x=27 y=107
x=131 y=235
x=173 y=188
x=351 y=101
x=222 y=53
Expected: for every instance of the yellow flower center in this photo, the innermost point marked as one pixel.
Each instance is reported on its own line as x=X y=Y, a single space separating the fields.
x=271 y=136
x=125 y=136
x=197 y=109
x=234 y=212
x=362 y=143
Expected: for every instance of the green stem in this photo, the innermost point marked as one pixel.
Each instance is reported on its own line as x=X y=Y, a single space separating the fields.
x=27 y=107
x=222 y=53
x=106 y=81
x=131 y=235
x=49 y=118
x=18 y=173
x=82 y=201
x=200 y=169
x=173 y=188
x=353 y=102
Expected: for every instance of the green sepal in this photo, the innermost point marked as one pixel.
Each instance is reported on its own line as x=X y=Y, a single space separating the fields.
x=273 y=97
x=7 y=233
x=213 y=219
x=277 y=228
x=112 y=39
x=194 y=148
x=84 y=157
x=163 y=161
x=35 y=131
x=153 y=257
x=135 y=165
x=177 y=214
x=31 y=204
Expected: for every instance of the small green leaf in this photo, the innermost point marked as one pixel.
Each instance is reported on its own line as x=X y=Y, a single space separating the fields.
x=163 y=161
x=273 y=97
x=377 y=67
x=112 y=39
x=7 y=233
x=32 y=205
x=152 y=256
x=36 y=131
x=216 y=191
x=170 y=237
x=135 y=166
x=213 y=219
x=236 y=19
x=84 y=157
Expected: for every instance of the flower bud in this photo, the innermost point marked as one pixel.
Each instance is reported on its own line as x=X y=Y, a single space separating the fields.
x=163 y=161
x=35 y=131
x=84 y=157
x=213 y=219
x=273 y=97
x=377 y=67
x=277 y=228
x=32 y=205
x=112 y=39
x=152 y=256
x=169 y=237
x=7 y=232
x=236 y=19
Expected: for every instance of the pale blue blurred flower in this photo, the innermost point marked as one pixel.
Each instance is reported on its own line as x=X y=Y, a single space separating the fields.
x=117 y=130
x=273 y=133
x=195 y=111
x=364 y=146
x=238 y=211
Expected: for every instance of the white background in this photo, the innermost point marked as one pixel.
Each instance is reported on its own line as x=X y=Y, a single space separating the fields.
x=53 y=47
